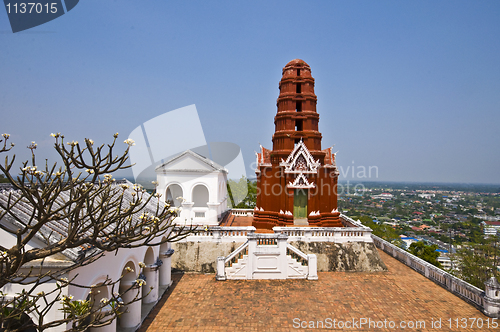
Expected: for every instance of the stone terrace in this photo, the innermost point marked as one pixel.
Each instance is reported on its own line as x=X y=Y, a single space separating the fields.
x=197 y=302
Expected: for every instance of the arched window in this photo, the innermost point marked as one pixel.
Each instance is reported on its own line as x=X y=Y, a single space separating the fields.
x=149 y=258
x=200 y=196
x=173 y=192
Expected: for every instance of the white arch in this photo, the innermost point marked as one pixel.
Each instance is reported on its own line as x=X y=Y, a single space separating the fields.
x=200 y=198
x=96 y=281
x=149 y=256
x=171 y=195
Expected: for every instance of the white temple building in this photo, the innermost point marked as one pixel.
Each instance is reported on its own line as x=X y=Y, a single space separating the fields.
x=195 y=184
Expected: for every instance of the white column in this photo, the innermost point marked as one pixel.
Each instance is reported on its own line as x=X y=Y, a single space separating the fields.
x=211 y=217
x=131 y=316
x=166 y=267
x=151 y=273
x=186 y=213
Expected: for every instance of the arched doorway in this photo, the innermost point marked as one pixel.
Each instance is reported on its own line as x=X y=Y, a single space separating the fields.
x=173 y=192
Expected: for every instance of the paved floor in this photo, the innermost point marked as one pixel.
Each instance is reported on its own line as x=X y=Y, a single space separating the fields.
x=197 y=302
x=232 y=220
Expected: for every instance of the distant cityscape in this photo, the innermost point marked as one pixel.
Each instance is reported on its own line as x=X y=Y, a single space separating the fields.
x=450 y=216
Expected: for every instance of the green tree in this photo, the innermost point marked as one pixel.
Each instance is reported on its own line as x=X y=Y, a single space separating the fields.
x=427 y=252
x=477 y=263
x=242 y=193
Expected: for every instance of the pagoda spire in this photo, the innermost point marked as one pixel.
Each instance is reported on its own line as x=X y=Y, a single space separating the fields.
x=296 y=118
x=296 y=180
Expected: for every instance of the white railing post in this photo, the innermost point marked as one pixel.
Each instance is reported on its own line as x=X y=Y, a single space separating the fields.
x=282 y=260
x=252 y=247
x=313 y=267
x=221 y=269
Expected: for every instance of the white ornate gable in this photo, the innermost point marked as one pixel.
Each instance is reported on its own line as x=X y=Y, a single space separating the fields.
x=189 y=162
x=301 y=182
x=300 y=161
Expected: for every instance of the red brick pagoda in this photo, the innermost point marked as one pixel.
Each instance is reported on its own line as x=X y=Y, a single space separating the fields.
x=296 y=181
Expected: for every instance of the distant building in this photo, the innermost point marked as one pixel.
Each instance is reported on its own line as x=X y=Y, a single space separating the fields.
x=427 y=196
x=486 y=217
x=444 y=259
x=490 y=228
x=408 y=241
x=383 y=196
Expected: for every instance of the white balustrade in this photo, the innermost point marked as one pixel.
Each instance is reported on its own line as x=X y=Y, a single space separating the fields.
x=326 y=234
x=219 y=234
x=242 y=212
x=488 y=304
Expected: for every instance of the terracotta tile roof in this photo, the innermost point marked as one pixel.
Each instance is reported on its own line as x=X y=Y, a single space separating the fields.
x=401 y=294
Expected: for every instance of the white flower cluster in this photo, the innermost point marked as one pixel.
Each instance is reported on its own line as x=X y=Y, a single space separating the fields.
x=66 y=298
x=173 y=210
x=140 y=282
x=129 y=141
x=108 y=178
x=6 y=136
x=146 y=217
x=32 y=170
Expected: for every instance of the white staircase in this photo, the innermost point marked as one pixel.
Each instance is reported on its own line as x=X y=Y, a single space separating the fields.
x=267 y=256
x=295 y=269
x=238 y=270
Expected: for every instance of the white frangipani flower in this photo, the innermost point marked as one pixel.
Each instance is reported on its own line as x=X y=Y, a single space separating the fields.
x=129 y=141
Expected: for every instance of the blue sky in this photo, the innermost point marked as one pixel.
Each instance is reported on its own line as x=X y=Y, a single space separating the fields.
x=411 y=87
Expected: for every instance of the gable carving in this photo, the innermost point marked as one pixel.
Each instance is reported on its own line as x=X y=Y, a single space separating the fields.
x=300 y=161
x=301 y=182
